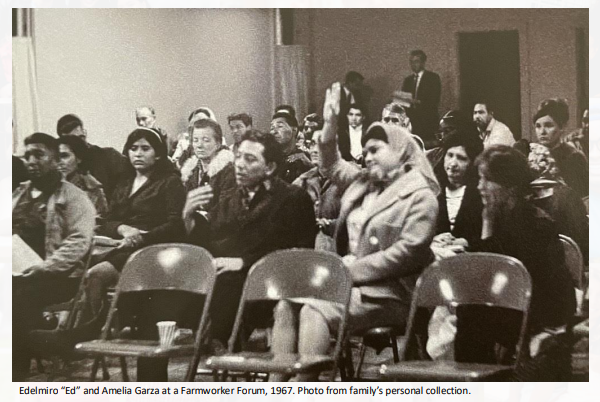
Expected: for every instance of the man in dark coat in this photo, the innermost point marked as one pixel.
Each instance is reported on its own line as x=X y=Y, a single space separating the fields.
x=425 y=87
x=261 y=215
x=284 y=128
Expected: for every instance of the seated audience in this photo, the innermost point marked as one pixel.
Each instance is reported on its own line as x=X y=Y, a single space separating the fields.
x=558 y=200
x=324 y=194
x=211 y=163
x=107 y=165
x=549 y=122
x=260 y=215
x=284 y=128
x=238 y=124
x=515 y=227
x=459 y=201
x=384 y=232
x=56 y=220
x=73 y=164
x=311 y=123
x=287 y=109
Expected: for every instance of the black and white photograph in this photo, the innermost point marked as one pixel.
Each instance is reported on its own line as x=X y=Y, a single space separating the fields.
x=302 y=195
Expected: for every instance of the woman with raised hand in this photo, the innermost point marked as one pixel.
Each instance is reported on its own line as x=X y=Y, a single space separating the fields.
x=386 y=224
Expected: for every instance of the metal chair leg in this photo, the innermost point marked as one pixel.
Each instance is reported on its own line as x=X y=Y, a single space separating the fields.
x=95 y=369
x=394 y=344
x=124 y=372
x=361 y=358
x=105 y=375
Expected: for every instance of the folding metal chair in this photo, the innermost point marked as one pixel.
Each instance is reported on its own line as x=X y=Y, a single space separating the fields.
x=289 y=274
x=158 y=283
x=473 y=279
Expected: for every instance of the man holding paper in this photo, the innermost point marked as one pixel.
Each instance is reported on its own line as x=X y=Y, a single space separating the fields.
x=55 y=220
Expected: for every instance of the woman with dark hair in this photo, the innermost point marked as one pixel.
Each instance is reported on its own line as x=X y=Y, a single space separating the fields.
x=74 y=166
x=459 y=201
x=513 y=226
x=145 y=209
x=384 y=230
x=549 y=122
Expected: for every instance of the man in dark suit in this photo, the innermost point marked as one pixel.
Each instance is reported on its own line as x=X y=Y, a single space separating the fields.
x=425 y=86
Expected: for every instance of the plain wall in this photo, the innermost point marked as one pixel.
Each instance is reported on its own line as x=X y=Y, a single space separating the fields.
x=377 y=42
x=103 y=63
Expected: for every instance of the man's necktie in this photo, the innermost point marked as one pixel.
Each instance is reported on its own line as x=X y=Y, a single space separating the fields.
x=414 y=88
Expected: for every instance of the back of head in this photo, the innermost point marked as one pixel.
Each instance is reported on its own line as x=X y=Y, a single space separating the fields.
x=45 y=139
x=556 y=108
x=507 y=167
x=79 y=148
x=68 y=123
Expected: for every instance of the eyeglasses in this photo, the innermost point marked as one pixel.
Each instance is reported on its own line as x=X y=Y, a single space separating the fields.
x=394 y=120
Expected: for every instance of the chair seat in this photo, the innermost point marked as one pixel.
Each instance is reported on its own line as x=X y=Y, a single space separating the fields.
x=444 y=371
x=132 y=348
x=265 y=363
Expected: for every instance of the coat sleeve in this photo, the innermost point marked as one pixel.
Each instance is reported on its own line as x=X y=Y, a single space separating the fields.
x=339 y=171
x=173 y=229
x=410 y=253
x=78 y=228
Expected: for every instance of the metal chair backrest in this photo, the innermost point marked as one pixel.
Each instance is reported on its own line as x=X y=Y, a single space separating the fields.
x=169 y=266
x=573 y=260
x=298 y=273
x=486 y=279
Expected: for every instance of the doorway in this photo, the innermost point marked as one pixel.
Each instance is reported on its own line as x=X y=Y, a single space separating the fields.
x=489 y=66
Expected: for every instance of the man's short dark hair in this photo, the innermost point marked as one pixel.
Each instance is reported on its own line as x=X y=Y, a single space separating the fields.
x=488 y=106
x=289 y=109
x=45 y=139
x=272 y=152
x=213 y=125
x=244 y=117
x=68 y=123
x=420 y=54
x=353 y=76
x=358 y=107
x=291 y=120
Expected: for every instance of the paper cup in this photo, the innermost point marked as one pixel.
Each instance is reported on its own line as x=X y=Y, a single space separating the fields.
x=166 y=333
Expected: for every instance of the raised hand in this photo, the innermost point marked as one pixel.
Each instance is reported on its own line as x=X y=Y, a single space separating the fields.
x=331 y=108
